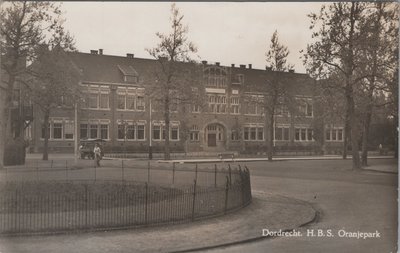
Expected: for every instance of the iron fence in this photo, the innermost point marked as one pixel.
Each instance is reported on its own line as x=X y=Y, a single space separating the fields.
x=49 y=205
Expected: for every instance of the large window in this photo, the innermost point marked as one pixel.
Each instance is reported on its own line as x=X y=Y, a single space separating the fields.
x=253 y=133
x=303 y=134
x=130 y=130
x=282 y=133
x=60 y=129
x=334 y=134
x=94 y=129
x=235 y=105
x=97 y=97
x=130 y=99
x=194 y=133
x=254 y=105
x=159 y=131
x=215 y=77
x=305 y=107
x=216 y=103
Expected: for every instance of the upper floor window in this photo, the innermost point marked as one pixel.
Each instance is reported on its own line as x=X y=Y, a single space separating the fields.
x=254 y=105
x=305 y=107
x=238 y=79
x=129 y=73
x=97 y=97
x=215 y=76
x=216 y=103
x=235 y=105
x=130 y=99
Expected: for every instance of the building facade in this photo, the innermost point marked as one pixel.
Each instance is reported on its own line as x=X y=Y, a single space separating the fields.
x=119 y=108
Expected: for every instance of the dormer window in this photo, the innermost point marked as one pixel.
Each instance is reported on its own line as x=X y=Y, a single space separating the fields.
x=129 y=74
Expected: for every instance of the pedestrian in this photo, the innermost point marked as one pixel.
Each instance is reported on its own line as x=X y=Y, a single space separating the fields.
x=380 y=149
x=97 y=155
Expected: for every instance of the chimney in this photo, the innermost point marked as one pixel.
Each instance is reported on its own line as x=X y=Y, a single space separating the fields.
x=250 y=66
x=93 y=52
x=232 y=65
x=217 y=63
x=130 y=56
x=204 y=62
x=242 y=66
x=100 y=51
x=291 y=70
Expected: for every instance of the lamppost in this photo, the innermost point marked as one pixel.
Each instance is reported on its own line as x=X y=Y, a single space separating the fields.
x=150 y=134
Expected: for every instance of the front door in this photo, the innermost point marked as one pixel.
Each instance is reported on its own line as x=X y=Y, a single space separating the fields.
x=212 y=140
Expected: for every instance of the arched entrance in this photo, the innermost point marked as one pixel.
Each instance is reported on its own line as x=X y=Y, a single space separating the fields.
x=215 y=136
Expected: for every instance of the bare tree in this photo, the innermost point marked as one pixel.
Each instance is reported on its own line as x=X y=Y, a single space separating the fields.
x=53 y=81
x=23 y=26
x=337 y=45
x=172 y=76
x=276 y=89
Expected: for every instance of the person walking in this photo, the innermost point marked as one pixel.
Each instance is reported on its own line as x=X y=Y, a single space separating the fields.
x=97 y=155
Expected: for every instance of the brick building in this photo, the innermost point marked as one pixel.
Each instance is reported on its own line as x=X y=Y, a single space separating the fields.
x=117 y=108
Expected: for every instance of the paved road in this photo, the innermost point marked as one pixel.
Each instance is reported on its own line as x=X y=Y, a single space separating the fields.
x=353 y=201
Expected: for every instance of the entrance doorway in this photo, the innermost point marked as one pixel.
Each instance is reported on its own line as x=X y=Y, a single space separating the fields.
x=215 y=136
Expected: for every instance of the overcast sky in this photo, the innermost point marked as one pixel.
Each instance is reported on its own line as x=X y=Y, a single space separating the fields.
x=229 y=33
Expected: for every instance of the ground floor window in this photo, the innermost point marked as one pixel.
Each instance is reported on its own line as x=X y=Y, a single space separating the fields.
x=282 y=133
x=95 y=129
x=253 y=133
x=159 y=131
x=303 y=134
x=234 y=135
x=194 y=133
x=130 y=130
x=59 y=129
x=334 y=134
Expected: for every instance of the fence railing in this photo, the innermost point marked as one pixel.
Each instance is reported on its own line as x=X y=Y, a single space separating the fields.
x=58 y=205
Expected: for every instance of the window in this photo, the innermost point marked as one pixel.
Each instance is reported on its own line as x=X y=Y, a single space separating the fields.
x=174 y=133
x=194 y=133
x=238 y=79
x=304 y=134
x=93 y=101
x=69 y=130
x=104 y=101
x=121 y=102
x=234 y=135
x=104 y=131
x=140 y=132
x=57 y=131
x=309 y=109
x=282 y=133
x=130 y=132
x=254 y=105
x=260 y=133
x=140 y=103
x=156 y=132
x=195 y=108
x=334 y=134
x=253 y=133
x=305 y=107
x=130 y=102
x=215 y=76
x=93 y=131
x=235 y=105
x=84 y=131
x=217 y=103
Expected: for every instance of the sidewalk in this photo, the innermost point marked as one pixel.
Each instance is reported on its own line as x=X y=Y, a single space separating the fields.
x=267 y=211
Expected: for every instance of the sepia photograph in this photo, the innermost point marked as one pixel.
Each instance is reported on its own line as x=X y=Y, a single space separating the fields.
x=218 y=127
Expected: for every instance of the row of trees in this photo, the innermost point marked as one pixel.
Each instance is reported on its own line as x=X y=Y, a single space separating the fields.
x=354 y=54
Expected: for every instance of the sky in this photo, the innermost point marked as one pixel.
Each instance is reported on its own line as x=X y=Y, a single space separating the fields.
x=229 y=33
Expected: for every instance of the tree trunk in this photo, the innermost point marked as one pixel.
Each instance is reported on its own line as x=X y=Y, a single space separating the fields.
x=367 y=122
x=167 y=151
x=396 y=136
x=346 y=134
x=46 y=136
x=3 y=126
x=354 y=130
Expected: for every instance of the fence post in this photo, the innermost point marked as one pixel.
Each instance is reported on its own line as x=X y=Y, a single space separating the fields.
x=145 y=207
x=194 y=198
x=226 y=195
x=173 y=173
x=148 y=172
x=215 y=175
